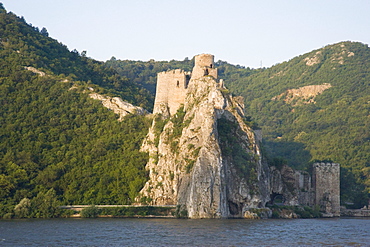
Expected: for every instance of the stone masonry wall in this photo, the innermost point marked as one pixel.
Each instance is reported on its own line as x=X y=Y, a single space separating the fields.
x=171 y=90
x=299 y=188
x=204 y=65
x=326 y=181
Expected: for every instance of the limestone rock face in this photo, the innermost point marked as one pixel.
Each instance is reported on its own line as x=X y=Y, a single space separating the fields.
x=36 y=71
x=205 y=158
x=118 y=106
x=303 y=95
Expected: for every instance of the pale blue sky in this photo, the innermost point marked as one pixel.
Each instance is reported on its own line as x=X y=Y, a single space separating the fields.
x=240 y=32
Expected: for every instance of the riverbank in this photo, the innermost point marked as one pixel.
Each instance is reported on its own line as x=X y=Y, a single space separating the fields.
x=364 y=212
x=173 y=211
x=122 y=211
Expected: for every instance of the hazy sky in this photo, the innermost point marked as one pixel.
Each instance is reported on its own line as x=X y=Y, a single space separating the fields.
x=241 y=32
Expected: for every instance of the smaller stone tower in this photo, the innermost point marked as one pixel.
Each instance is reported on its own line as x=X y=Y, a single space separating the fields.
x=326 y=180
x=204 y=66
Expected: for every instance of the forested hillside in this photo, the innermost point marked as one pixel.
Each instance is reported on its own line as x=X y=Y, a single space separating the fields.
x=313 y=107
x=57 y=145
x=328 y=121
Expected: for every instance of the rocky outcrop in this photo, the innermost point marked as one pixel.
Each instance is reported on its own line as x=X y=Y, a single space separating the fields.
x=303 y=95
x=36 y=71
x=118 y=106
x=205 y=158
x=314 y=59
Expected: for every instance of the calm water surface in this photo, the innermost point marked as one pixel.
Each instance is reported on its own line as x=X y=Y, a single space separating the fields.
x=176 y=232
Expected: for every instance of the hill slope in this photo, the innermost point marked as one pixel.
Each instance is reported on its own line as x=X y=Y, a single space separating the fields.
x=24 y=45
x=316 y=107
x=57 y=145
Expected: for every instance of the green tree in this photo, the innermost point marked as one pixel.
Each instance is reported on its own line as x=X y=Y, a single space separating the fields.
x=44 y=32
x=45 y=205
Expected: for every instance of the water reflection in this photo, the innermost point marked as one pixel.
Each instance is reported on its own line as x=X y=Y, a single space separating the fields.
x=173 y=232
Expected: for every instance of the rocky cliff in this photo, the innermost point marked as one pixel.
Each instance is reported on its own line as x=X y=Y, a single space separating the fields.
x=302 y=95
x=205 y=157
x=118 y=106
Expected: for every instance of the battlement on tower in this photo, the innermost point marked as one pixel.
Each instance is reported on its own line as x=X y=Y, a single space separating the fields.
x=172 y=85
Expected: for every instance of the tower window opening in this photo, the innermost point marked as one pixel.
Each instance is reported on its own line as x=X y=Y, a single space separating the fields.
x=211 y=65
x=206 y=72
x=187 y=79
x=177 y=84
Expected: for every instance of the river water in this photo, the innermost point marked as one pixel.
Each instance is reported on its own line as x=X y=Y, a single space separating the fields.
x=179 y=232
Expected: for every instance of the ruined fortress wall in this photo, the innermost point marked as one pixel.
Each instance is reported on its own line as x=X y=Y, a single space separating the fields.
x=303 y=180
x=171 y=90
x=326 y=180
x=204 y=65
x=306 y=195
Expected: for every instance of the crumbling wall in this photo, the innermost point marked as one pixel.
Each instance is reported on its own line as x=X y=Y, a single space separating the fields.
x=299 y=188
x=294 y=186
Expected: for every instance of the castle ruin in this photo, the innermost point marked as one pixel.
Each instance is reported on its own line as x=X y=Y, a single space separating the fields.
x=293 y=187
x=172 y=85
x=300 y=188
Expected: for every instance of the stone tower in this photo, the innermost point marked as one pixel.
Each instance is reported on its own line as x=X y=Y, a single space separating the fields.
x=326 y=180
x=204 y=65
x=171 y=91
x=172 y=85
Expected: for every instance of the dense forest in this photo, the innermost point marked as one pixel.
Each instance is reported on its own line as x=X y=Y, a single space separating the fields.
x=58 y=146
